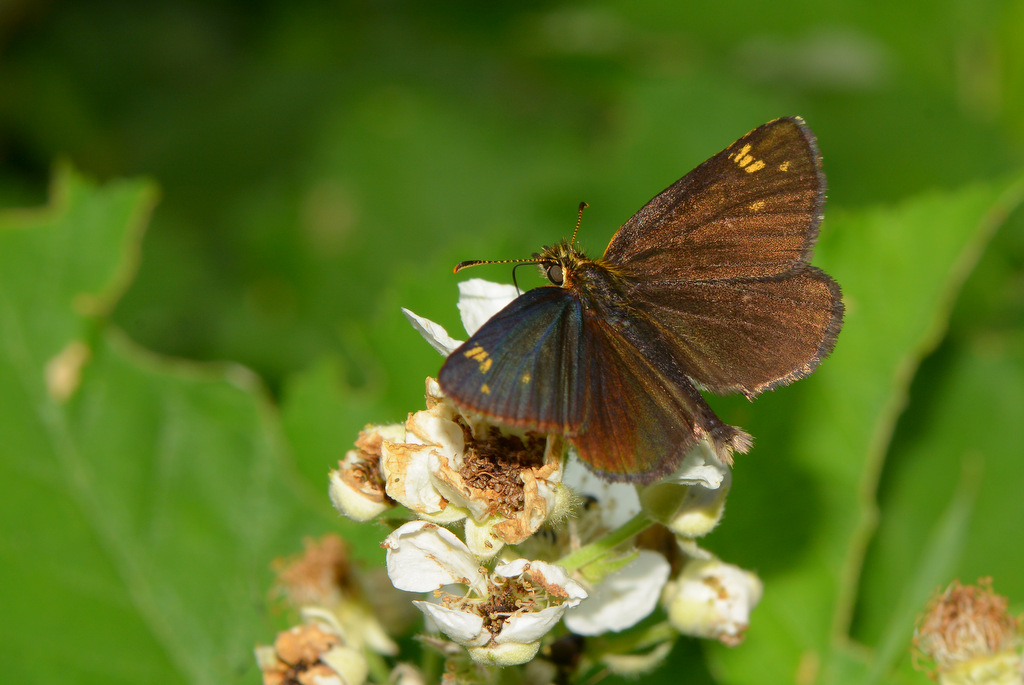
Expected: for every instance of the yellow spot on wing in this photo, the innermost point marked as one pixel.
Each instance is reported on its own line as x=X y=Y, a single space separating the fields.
x=746 y=161
x=784 y=166
x=485 y=390
x=757 y=206
x=525 y=378
x=478 y=353
x=742 y=153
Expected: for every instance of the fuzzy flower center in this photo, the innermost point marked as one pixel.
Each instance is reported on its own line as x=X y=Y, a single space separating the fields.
x=506 y=597
x=966 y=622
x=495 y=463
x=364 y=472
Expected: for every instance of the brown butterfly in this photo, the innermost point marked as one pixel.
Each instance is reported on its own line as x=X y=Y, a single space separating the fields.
x=708 y=286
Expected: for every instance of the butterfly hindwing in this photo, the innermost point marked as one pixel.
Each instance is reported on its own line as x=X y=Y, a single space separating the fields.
x=643 y=414
x=521 y=366
x=752 y=210
x=747 y=335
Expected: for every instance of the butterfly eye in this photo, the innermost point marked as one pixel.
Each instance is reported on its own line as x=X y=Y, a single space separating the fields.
x=554 y=273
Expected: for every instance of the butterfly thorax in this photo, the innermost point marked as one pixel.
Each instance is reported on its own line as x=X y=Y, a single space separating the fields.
x=599 y=285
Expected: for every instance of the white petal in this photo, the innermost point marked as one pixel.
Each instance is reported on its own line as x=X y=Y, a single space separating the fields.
x=352 y=502
x=364 y=627
x=472 y=501
x=479 y=300
x=700 y=510
x=461 y=626
x=511 y=569
x=480 y=538
x=442 y=434
x=529 y=627
x=617 y=502
x=445 y=517
x=700 y=466
x=623 y=598
x=324 y=619
x=433 y=333
x=350 y=665
x=408 y=477
x=266 y=657
x=422 y=557
x=395 y=432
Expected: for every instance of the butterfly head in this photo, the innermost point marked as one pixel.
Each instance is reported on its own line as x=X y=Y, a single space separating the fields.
x=560 y=264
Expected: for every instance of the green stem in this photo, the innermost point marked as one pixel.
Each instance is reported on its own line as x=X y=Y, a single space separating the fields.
x=599 y=548
x=379 y=670
x=654 y=635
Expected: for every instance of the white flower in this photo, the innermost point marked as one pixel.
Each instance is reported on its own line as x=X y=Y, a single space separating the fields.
x=506 y=504
x=356 y=486
x=452 y=465
x=348 y=662
x=479 y=300
x=509 y=483
x=690 y=502
x=623 y=598
x=712 y=599
x=503 y=615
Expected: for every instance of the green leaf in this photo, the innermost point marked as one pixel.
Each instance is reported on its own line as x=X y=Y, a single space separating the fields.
x=803 y=507
x=321 y=419
x=144 y=498
x=962 y=432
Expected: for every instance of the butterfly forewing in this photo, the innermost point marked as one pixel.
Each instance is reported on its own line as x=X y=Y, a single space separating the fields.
x=751 y=210
x=719 y=261
x=521 y=366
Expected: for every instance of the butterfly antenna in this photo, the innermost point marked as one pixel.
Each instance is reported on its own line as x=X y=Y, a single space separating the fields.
x=579 y=219
x=529 y=260
x=477 y=262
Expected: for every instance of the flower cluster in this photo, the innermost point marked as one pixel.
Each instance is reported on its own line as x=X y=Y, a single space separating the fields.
x=520 y=555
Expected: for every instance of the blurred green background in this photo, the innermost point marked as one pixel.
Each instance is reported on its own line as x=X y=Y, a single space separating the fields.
x=322 y=164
